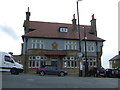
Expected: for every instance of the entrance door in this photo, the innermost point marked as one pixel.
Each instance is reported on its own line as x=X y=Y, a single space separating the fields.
x=54 y=62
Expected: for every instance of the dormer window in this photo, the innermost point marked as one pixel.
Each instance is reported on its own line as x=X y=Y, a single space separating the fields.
x=63 y=29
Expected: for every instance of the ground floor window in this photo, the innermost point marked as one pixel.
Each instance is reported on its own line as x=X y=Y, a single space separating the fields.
x=35 y=61
x=91 y=62
x=70 y=62
x=73 y=62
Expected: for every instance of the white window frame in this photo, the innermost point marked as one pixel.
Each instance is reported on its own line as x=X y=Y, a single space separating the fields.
x=35 y=60
x=33 y=45
x=70 y=61
x=63 y=29
x=38 y=57
x=91 y=62
x=70 y=45
x=95 y=64
x=65 y=64
x=65 y=58
x=30 y=57
x=72 y=58
x=38 y=44
x=90 y=46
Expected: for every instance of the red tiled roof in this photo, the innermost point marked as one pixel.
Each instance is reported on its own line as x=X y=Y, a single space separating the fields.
x=51 y=30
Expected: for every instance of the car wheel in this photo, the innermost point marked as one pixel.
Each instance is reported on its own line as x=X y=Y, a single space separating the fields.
x=94 y=75
x=110 y=75
x=42 y=73
x=62 y=74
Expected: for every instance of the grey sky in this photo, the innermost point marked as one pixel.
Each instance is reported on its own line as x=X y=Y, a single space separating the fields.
x=9 y=31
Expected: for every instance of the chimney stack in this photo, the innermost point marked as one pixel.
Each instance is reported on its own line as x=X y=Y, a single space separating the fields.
x=74 y=26
x=26 y=23
x=93 y=26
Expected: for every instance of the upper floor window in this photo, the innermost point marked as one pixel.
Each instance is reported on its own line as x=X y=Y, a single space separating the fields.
x=90 y=46
x=70 y=45
x=63 y=29
x=38 y=44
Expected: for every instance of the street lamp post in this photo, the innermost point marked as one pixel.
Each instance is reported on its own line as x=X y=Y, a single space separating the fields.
x=85 y=55
x=80 y=54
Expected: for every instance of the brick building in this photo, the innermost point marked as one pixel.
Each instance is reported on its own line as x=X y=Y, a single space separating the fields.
x=57 y=44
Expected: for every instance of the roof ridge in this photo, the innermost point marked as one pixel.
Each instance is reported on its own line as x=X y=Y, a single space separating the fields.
x=116 y=57
x=58 y=23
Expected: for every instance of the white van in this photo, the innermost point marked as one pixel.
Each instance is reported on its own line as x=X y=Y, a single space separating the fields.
x=7 y=63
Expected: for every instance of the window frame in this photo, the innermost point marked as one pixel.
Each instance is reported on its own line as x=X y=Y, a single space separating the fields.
x=70 y=45
x=37 y=44
x=70 y=62
x=8 y=59
x=35 y=63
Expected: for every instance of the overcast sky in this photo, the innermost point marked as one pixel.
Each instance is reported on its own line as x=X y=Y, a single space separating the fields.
x=12 y=16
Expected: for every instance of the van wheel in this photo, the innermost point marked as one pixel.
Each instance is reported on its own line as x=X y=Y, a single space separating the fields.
x=14 y=71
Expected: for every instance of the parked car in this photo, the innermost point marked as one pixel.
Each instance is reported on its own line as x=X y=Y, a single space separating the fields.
x=116 y=72
x=97 y=72
x=109 y=72
x=101 y=72
x=113 y=72
x=51 y=70
x=37 y=69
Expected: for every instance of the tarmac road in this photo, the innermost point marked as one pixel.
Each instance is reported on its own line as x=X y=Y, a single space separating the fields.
x=50 y=81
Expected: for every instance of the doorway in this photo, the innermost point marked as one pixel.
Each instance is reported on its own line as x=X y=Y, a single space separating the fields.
x=54 y=62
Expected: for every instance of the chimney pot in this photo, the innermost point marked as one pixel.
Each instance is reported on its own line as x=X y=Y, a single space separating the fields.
x=74 y=27
x=93 y=16
x=28 y=9
x=73 y=16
